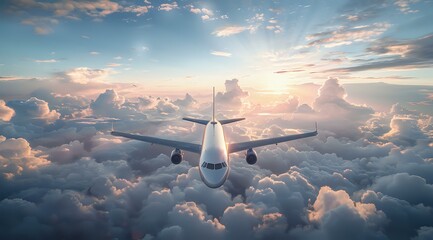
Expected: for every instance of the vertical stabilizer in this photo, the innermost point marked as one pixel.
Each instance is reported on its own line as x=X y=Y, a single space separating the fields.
x=213 y=105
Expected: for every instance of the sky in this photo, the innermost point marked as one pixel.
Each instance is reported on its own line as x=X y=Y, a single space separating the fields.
x=72 y=70
x=188 y=44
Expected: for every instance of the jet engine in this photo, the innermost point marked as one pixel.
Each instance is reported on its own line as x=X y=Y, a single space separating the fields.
x=176 y=156
x=251 y=156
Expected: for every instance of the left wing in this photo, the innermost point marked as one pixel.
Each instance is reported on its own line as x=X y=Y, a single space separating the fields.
x=190 y=147
x=236 y=147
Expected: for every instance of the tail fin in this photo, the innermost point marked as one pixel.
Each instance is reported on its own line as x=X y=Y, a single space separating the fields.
x=213 y=105
x=226 y=121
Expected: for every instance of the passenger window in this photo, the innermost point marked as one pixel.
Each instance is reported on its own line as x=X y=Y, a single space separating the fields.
x=210 y=166
x=203 y=165
x=218 y=166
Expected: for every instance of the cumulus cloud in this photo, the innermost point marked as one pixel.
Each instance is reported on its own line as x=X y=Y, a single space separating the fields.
x=17 y=156
x=363 y=177
x=110 y=104
x=333 y=111
x=413 y=189
x=6 y=113
x=32 y=110
x=404 y=131
x=232 y=95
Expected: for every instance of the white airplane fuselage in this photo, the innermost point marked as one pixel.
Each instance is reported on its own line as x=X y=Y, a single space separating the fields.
x=214 y=158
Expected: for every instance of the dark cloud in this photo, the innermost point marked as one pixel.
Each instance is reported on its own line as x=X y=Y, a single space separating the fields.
x=410 y=188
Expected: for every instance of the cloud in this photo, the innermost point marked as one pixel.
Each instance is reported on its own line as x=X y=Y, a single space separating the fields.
x=404 y=55
x=33 y=110
x=84 y=75
x=339 y=217
x=42 y=25
x=410 y=188
x=221 y=54
x=229 y=30
x=16 y=157
x=45 y=61
x=99 y=8
x=194 y=222
x=187 y=101
x=168 y=6
x=206 y=14
x=107 y=103
x=233 y=94
x=406 y=220
x=424 y=233
x=363 y=11
x=405 y=130
x=138 y=10
x=347 y=35
x=6 y=113
x=330 y=103
x=404 y=5
x=348 y=182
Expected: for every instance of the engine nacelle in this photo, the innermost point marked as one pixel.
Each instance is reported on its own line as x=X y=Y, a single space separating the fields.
x=176 y=156
x=251 y=156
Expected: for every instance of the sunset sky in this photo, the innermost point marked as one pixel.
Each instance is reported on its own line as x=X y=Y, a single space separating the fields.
x=187 y=44
x=73 y=70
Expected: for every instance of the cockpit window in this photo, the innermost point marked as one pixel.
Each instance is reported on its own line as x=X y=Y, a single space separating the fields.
x=210 y=166
x=213 y=166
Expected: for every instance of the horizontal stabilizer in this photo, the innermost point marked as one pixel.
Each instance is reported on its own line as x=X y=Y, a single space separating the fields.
x=199 y=121
x=226 y=121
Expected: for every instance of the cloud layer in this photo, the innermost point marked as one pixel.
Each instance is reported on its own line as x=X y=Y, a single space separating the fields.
x=368 y=175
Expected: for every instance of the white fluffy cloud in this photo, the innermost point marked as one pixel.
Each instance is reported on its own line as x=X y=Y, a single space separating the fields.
x=83 y=75
x=365 y=176
x=33 y=110
x=232 y=97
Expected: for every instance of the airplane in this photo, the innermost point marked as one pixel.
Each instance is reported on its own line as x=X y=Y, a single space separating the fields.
x=214 y=152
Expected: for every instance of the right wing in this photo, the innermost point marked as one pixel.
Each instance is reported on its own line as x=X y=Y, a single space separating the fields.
x=236 y=147
x=190 y=147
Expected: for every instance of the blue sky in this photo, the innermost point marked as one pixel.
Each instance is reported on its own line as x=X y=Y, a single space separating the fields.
x=196 y=43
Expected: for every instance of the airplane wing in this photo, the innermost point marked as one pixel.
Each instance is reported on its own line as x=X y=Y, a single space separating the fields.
x=236 y=147
x=190 y=147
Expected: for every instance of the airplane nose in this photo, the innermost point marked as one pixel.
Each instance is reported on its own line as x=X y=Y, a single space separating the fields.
x=214 y=178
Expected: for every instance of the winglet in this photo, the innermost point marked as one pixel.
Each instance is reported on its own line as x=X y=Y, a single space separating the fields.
x=316 y=125
x=112 y=126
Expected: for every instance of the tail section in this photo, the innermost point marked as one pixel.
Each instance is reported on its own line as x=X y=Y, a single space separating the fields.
x=213 y=105
x=213 y=121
